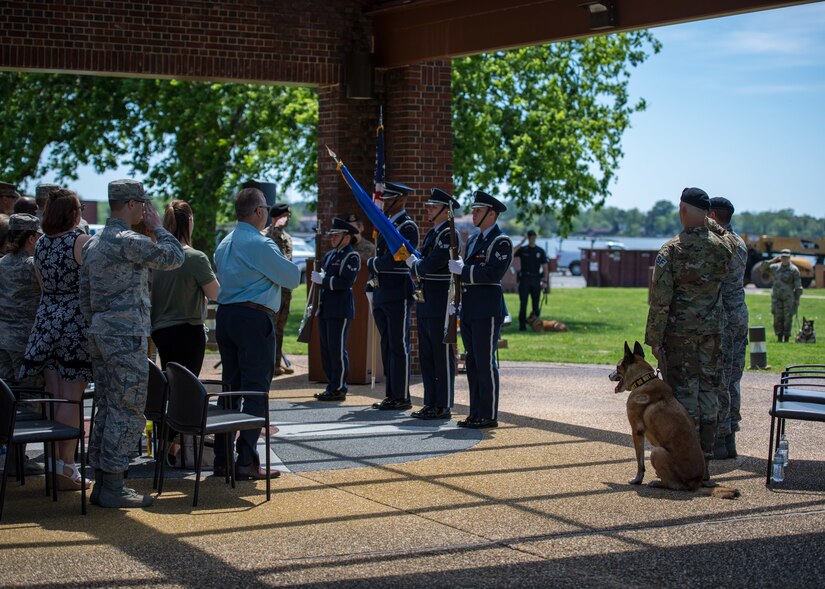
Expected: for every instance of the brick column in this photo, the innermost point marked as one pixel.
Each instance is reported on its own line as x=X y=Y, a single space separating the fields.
x=418 y=141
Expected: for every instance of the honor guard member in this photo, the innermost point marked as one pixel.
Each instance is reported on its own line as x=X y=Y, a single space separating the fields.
x=686 y=316
x=392 y=298
x=114 y=298
x=532 y=276
x=336 y=308
x=785 y=293
x=279 y=217
x=437 y=358
x=489 y=255
x=735 y=335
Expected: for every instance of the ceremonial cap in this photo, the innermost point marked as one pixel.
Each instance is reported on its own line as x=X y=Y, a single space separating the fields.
x=393 y=189
x=482 y=199
x=719 y=202
x=352 y=218
x=439 y=197
x=786 y=253
x=341 y=226
x=123 y=190
x=24 y=222
x=696 y=197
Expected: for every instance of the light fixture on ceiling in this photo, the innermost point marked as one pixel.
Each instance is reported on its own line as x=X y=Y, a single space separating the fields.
x=602 y=14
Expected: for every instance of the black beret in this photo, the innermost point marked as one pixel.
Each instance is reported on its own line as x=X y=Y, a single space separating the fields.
x=278 y=210
x=482 y=199
x=720 y=202
x=696 y=197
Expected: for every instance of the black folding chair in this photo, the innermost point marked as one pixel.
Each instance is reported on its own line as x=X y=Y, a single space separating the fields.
x=791 y=401
x=188 y=412
x=45 y=430
x=155 y=411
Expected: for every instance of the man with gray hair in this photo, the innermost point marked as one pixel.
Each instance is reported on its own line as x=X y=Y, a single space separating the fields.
x=685 y=318
x=251 y=271
x=114 y=298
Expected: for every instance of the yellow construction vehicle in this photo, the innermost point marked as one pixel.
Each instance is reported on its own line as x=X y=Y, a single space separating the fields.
x=762 y=248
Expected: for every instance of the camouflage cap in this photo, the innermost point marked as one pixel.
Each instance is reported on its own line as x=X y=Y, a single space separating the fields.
x=9 y=190
x=123 y=190
x=43 y=191
x=786 y=253
x=24 y=222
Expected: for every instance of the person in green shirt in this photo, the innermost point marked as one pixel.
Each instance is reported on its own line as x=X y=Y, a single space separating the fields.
x=179 y=299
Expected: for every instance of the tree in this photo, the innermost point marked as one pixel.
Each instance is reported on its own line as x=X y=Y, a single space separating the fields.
x=662 y=219
x=191 y=140
x=543 y=124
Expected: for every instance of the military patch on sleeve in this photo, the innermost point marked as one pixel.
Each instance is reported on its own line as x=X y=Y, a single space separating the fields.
x=661 y=261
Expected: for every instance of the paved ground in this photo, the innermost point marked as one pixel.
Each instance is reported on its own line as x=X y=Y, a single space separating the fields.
x=541 y=501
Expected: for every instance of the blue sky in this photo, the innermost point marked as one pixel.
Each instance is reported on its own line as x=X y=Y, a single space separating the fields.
x=736 y=106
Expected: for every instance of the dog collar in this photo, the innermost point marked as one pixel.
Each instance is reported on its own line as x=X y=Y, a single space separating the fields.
x=642 y=380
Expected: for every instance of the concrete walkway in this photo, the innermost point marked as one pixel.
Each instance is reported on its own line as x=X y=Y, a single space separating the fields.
x=542 y=501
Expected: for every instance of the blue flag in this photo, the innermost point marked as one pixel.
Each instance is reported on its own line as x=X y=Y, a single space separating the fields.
x=397 y=243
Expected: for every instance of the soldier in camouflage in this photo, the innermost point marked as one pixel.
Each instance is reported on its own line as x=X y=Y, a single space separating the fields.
x=19 y=295
x=785 y=294
x=114 y=298
x=686 y=315
x=279 y=215
x=735 y=335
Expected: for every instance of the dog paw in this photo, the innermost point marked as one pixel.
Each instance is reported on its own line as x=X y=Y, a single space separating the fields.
x=637 y=480
x=655 y=484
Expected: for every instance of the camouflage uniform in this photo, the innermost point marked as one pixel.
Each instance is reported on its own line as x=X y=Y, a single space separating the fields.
x=787 y=288
x=735 y=335
x=19 y=297
x=686 y=318
x=284 y=242
x=114 y=297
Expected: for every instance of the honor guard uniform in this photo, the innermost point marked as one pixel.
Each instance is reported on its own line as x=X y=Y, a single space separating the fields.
x=392 y=296
x=336 y=308
x=532 y=276
x=489 y=255
x=431 y=271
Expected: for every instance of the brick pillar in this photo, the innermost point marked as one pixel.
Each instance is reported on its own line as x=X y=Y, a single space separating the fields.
x=418 y=142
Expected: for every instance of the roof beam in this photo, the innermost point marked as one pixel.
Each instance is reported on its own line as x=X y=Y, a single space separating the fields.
x=426 y=30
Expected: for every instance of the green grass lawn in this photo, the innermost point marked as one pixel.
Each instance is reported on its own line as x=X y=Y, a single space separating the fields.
x=600 y=320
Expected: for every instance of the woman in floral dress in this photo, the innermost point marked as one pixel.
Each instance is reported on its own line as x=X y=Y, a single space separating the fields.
x=57 y=345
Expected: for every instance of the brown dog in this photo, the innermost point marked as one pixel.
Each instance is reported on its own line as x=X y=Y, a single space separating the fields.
x=541 y=325
x=655 y=414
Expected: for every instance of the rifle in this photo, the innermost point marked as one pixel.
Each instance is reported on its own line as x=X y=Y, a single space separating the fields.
x=454 y=296
x=305 y=329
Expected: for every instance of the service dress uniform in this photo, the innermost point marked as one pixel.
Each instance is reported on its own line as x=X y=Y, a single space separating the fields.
x=335 y=313
x=392 y=300
x=533 y=259
x=489 y=255
x=686 y=317
x=437 y=358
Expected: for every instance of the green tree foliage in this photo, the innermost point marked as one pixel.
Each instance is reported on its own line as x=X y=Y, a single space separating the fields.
x=543 y=124
x=192 y=140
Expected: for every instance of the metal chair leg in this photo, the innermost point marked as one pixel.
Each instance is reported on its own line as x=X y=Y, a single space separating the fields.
x=9 y=448
x=53 y=450
x=770 y=454
x=198 y=460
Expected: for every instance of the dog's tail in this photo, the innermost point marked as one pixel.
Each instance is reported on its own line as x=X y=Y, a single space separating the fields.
x=719 y=492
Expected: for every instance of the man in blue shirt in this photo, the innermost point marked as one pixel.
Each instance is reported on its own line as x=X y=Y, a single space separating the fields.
x=251 y=271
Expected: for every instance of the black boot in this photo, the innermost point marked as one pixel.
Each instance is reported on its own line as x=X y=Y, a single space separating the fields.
x=707 y=440
x=720 y=450
x=730 y=442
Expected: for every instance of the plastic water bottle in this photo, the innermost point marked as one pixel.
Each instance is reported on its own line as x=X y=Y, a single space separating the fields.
x=778 y=467
x=783 y=449
x=149 y=433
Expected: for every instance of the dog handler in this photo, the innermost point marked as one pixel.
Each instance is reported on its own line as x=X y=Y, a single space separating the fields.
x=684 y=322
x=489 y=255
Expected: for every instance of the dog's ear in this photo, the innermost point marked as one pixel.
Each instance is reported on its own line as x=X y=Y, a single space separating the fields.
x=803 y=319
x=628 y=355
x=639 y=350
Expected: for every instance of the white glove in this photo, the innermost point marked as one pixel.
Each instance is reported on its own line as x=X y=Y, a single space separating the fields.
x=456 y=266
x=411 y=260
x=318 y=277
x=452 y=309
